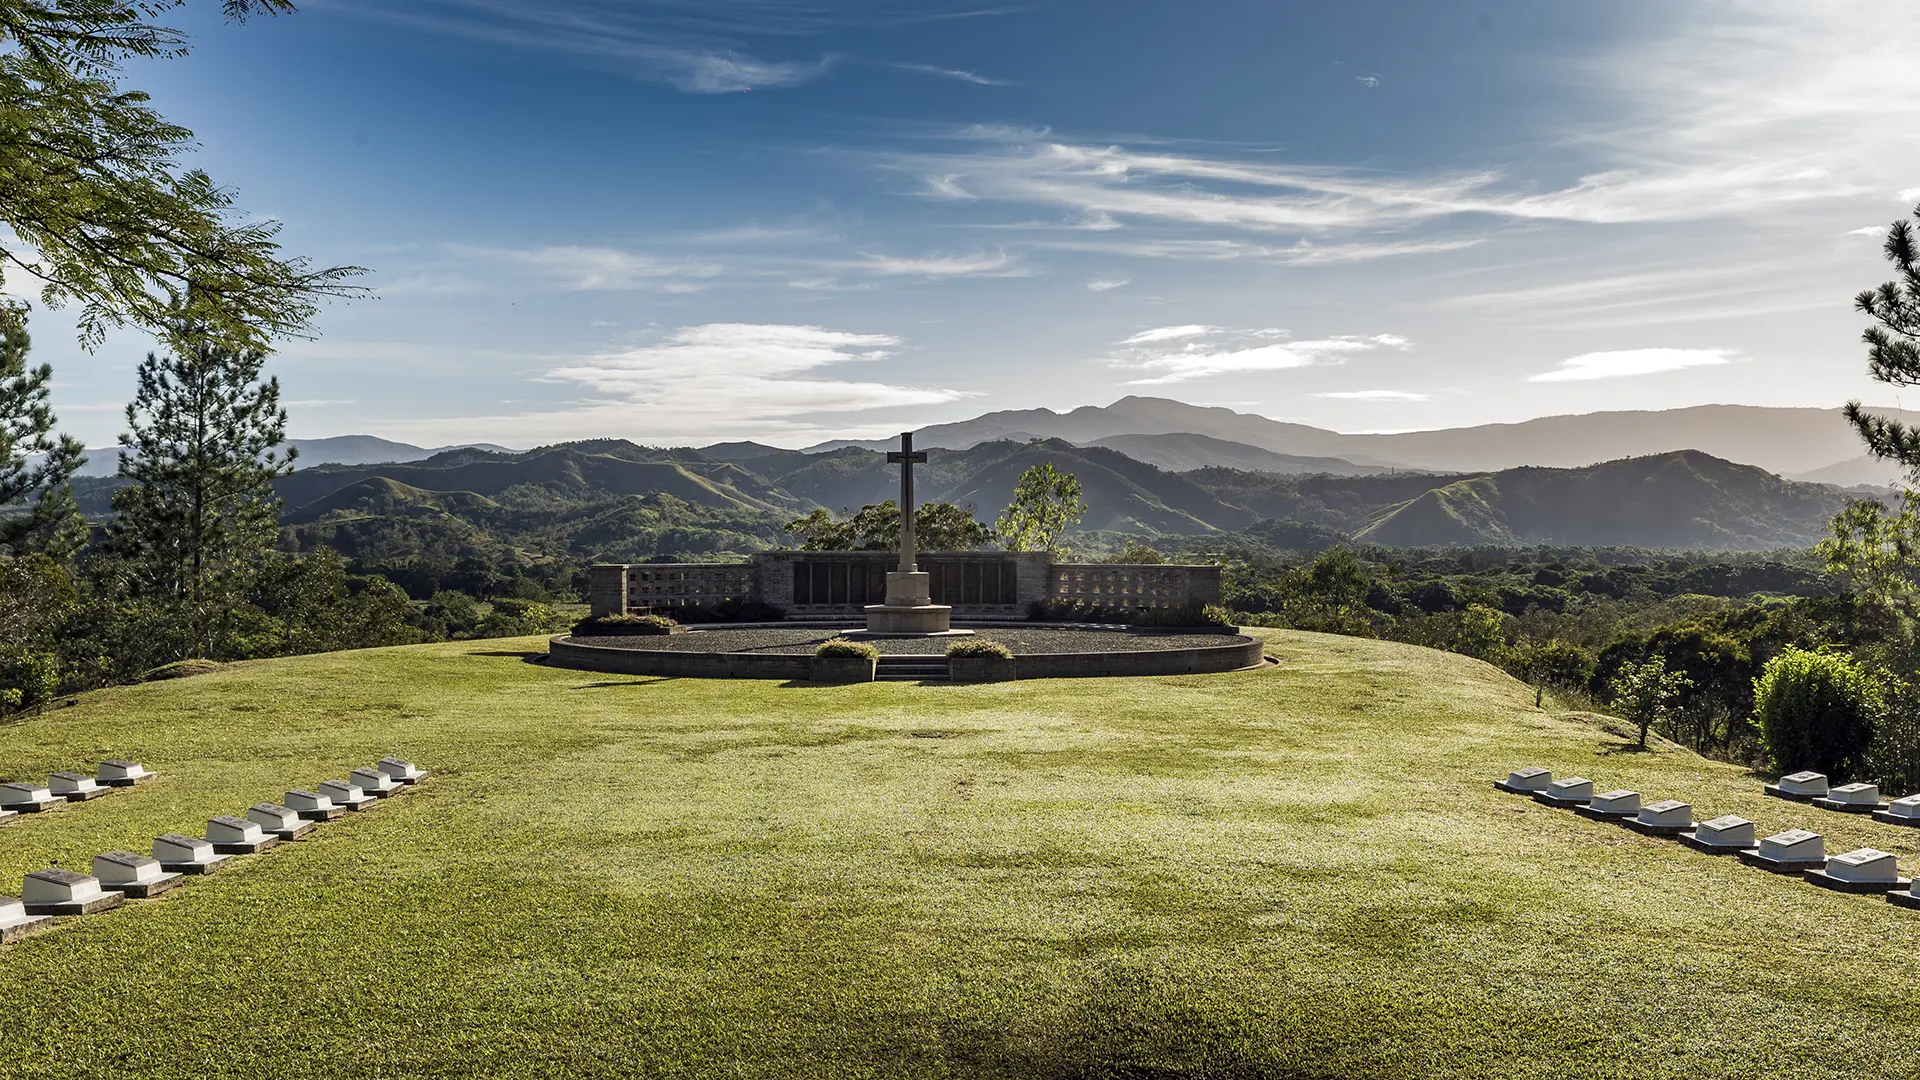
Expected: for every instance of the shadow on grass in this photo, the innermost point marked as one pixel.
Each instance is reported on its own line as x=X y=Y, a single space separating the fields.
x=524 y=654
x=646 y=681
x=1611 y=749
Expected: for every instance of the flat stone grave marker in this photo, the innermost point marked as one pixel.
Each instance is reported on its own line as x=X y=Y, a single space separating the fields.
x=1863 y=870
x=347 y=794
x=1616 y=805
x=15 y=923
x=1904 y=897
x=278 y=821
x=313 y=806
x=28 y=798
x=1800 y=787
x=374 y=782
x=187 y=854
x=64 y=892
x=1729 y=834
x=402 y=772
x=132 y=875
x=117 y=773
x=1900 y=812
x=1792 y=852
x=1525 y=781
x=75 y=787
x=230 y=835
x=1668 y=817
x=1852 y=799
x=1573 y=791
x=8 y=815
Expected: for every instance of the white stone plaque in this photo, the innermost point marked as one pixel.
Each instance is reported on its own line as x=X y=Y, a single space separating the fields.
x=1730 y=830
x=1908 y=807
x=1804 y=783
x=1856 y=794
x=1666 y=812
x=71 y=783
x=1618 y=801
x=373 y=782
x=58 y=886
x=273 y=817
x=173 y=849
x=308 y=800
x=227 y=829
x=126 y=868
x=1794 y=845
x=345 y=794
x=405 y=773
x=1864 y=865
x=1573 y=788
x=119 y=773
x=17 y=794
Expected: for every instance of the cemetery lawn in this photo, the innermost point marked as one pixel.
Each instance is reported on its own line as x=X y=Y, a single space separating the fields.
x=1298 y=872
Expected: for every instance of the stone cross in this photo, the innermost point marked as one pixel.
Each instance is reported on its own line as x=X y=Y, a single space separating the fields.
x=906 y=458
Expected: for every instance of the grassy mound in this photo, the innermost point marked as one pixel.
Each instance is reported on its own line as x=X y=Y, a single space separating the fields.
x=1300 y=872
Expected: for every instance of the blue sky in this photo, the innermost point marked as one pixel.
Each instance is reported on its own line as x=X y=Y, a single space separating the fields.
x=681 y=221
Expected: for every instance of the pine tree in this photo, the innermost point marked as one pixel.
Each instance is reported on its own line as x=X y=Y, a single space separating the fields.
x=1893 y=347
x=35 y=464
x=199 y=515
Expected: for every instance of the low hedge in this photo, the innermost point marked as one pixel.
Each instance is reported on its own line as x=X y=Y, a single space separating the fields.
x=624 y=626
x=979 y=647
x=845 y=649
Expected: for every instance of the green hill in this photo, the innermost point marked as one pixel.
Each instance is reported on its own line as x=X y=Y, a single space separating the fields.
x=1295 y=872
x=380 y=495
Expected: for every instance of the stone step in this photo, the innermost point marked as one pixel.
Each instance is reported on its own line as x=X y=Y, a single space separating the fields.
x=912 y=669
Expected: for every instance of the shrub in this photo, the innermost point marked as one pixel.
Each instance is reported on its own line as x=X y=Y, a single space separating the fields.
x=28 y=679
x=1816 y=711
x=982 y=647
x=617 y=625
x=182 y=669
x=845 y=649
x=732 y=611
x=1187 y=615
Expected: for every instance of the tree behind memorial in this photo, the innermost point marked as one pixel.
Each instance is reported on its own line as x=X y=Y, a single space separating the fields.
x=199 y=514
x=937 y=526
x=1046 y=503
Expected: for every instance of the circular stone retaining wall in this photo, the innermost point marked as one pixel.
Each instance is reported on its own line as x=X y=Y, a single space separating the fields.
x=1209 y=654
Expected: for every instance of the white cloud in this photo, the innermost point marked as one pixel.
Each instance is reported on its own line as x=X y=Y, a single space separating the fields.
x=589 y=269
x=979 y=264
x=1627 y=362
x=950 y=73
x=1375 y=395
x=729 y=376
x=1169 y=333
x=1368 y=81
x=1875 y=231
x=1104 y=284
x=1209 y=350
x=1908 y=195
x=946 y=187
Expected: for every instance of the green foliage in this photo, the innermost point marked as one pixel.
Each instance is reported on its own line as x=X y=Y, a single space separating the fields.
x=1135 y=553
x=1562 y=665
x=1644 y=692
x=1818 y=711
x=843 y=648
x=1086 y=611
x=1893 y=346
x=451 y=614
x=1046 y=503
x=937 y=526
x=1874 y=547
x=95 y=200
x=979 y=647
x=35 y=464
x=518 y=618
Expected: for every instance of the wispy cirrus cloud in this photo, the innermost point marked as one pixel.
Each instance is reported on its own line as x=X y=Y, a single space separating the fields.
x=1624 y=363
x=950 y=73
x=1374 y=395
x=976 y=264
x=1175 y=354
x=581 y=268
x=1107 y=284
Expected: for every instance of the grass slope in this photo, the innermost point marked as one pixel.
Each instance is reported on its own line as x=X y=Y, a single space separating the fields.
x=1299 y=872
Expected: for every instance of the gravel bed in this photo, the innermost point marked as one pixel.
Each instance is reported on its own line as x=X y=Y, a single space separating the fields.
x=1022 y=640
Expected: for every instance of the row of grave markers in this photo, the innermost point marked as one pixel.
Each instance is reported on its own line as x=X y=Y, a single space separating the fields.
x=1796 y=851
x=119 y=876
x=68 y=787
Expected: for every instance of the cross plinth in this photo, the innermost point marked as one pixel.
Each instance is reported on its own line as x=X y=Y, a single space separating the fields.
x=909 y=610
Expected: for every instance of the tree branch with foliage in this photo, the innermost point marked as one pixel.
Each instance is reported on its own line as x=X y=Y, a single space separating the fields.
x=1874 y=548
x=35 y=463
x=1645 y=693
x=937 y=526
x=92 y=189
x=1893 y=347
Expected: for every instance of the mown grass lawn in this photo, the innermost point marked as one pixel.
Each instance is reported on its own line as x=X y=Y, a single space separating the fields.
x=1298 y=872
